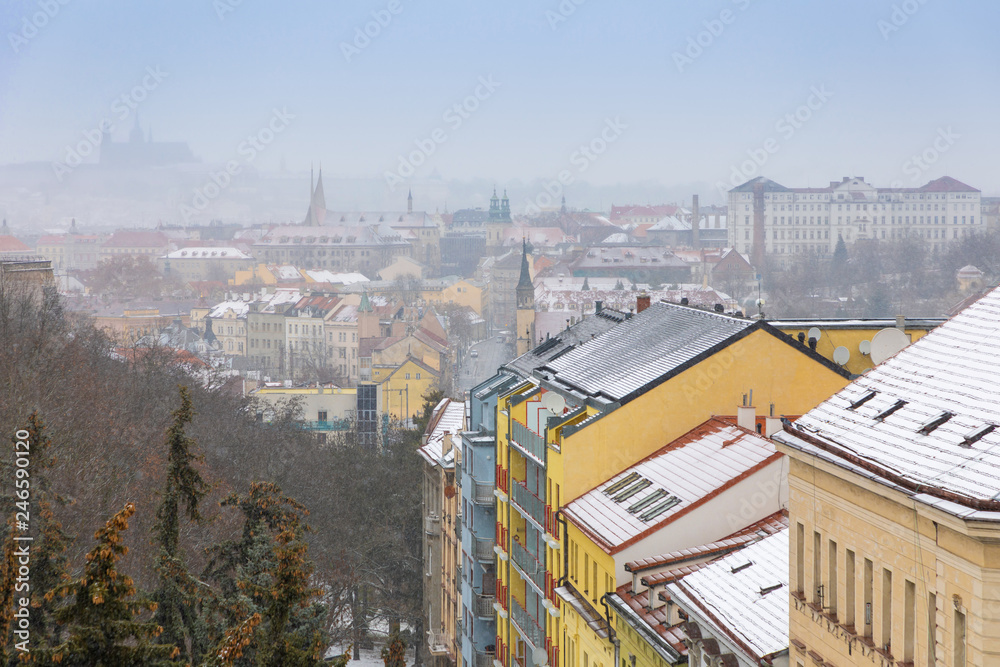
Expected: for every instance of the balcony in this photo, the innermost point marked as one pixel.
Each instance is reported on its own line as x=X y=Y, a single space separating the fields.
x=484 y=659
x=528 y=440
x=438 y=643
x=526 y=624
x=528 y=502
x=484 y=606
x=484 y=550
x=432 y=525
x=528 y=564
x=482 y=494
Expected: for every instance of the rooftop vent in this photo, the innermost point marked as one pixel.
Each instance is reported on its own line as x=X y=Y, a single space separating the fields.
x=891 y=409
x=977 y=434
x=740 y=568
x=929 y=426
x=864 y=399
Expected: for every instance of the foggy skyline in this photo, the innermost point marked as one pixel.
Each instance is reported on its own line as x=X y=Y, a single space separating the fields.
x=873 y=84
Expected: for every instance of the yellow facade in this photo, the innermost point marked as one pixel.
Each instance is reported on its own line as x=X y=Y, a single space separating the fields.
x=578 y=457
x=462 y=293
x=930 y=579
x=404 y=387
x=834 y=336
x=257 y=275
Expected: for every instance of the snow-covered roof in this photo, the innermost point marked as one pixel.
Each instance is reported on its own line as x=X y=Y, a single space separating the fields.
x=925 y=420
x=652 y=493
x=239 y=309
x=742 y=597
x=285 y=272
x=448 y=418
x=670 y=223
x=642 y=349
x=196 y=252
x=332 y=277
x=283 y=296
x=619 y=237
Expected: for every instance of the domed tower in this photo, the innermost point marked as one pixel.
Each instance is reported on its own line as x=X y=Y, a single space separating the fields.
x=525 y=291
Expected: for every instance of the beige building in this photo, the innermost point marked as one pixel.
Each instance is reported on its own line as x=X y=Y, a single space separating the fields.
x=208 y=263
x=442 y=547
x=895 y=507
x=266 y=330
x=228 y=321
x=796 y=221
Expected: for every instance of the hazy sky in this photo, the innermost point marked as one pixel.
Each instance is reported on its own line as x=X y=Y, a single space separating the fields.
x=893 y=78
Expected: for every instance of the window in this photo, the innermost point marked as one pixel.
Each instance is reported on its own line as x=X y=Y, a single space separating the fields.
x=321 y=415
x=832 y=580
x=800 y=539
x=850 y=585
x=886 y=611
x=817 y=569
x=418 y=376
x=407 y=376
x=909 y=620
x=869 y=596
x=959 y=639
x=932 y=630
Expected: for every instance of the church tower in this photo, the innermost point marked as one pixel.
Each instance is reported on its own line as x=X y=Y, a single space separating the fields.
x=525 y=333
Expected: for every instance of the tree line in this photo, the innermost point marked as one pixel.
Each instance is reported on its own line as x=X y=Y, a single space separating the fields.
x=172 y=525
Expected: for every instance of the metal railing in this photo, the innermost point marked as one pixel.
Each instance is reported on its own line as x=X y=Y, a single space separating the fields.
x=484 y=549
x=528 y=563
x=484 y=606
x=529 y=441
x=484 y=659
x=529 y=626
x=482 y=494
x=528 y=501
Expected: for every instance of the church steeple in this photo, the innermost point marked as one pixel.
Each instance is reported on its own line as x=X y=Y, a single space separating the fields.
x=525 y=294
x=317 y=201
x=494 y=206
x=409 y=201
x=505 y=207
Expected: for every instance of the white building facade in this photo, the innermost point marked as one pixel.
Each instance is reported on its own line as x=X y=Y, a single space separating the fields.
x=803 y=221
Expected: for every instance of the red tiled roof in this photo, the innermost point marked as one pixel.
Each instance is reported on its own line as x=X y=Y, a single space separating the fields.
x=12 y=244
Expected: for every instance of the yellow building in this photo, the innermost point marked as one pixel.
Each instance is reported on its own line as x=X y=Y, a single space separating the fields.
x=590 y=412
x=405 y=386
x=688 y=493
x=854 y=335
x=894 y=508
x=462 y=292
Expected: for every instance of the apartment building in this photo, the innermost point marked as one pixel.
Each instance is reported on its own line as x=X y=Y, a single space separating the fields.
x=894 y=507
x=766 y=217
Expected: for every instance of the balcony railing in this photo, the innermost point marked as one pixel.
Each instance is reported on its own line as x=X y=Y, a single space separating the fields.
x=438 y=643
x=484 y=549
x=484 y=606
x=529 y=626
x=528 y=563
x=485 y=659
x=528 y=502
x=529 y=441
x=482 y=494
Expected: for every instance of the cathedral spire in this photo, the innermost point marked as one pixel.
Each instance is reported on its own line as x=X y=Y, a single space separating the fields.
x=409 y=201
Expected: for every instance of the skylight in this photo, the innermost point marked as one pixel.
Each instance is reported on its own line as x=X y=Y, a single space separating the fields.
x=660 y=508
x=647 y=501
x=620 y=484
x=929 y=426
x=891 y=409
x=632 y=490
x=864 y=399
x=978 y=434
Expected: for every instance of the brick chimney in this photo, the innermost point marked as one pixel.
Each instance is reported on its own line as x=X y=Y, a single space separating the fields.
x=641 y=303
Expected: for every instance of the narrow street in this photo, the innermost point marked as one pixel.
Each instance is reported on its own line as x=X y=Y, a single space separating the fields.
x=474 y=369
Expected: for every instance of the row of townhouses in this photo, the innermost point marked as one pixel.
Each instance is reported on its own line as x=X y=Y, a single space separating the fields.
x=673 y=485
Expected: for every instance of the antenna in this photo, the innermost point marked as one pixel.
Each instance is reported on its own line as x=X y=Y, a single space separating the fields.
x=887 y=343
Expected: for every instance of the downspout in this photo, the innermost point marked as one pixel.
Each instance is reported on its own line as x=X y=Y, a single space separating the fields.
x=565 y=570
x=612 y=635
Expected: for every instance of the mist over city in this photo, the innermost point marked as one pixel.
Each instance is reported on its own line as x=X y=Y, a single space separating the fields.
x=552 y=333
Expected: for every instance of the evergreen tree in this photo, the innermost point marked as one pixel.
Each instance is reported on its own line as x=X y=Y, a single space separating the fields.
x=266 y=573
x=178 y=596
x=838 y=265
x=47 y=545
x=101 y=621
x=394 y=653
x=619 y=285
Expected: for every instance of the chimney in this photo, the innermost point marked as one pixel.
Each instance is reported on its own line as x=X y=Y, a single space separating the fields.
x=446 y=444
x=655 y=601
x=746 y=414
x=901 y=322
x=695 y=243
x=641 y=303
x=771 y=426
x=598 y=306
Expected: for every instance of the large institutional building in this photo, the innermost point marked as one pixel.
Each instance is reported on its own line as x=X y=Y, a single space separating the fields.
x=768 y=218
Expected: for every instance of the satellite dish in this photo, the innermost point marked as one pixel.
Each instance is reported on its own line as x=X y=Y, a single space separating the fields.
x=865 y=347
x=841 y=355
x=553 y=402
x=887 y=343
x=815 y=333
x=539 y=656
